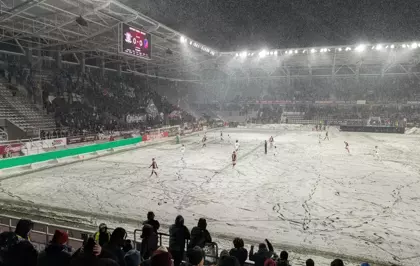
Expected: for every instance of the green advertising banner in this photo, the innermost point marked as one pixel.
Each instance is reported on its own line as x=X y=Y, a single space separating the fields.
x=42 y=157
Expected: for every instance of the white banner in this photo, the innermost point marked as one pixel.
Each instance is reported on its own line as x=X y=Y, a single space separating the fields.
x=34 y=147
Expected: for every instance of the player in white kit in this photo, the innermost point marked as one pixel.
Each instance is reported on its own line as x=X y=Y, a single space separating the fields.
x=182 y=151
x=376 y=153
x=271 y=140
x=236 y=145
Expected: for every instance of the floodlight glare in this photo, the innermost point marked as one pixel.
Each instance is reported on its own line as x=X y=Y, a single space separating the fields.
x=183 y=39
x=392 y=46
x=243 y=54
x=276 y=52
x=263 y=53
x=296 y=51
x=414 y=45
x=360 y=48
x=313 y=50
x=379 y=47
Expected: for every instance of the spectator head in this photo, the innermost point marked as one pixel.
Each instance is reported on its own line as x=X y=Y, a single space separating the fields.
x=310 y=262
x=161 y=257
x=196 y=256
x=60 y=237
x=107 y=262
x=224 y=253
x=103 y=228
x=118 y=236
x=284 y=255
x=269 y=262
x=238 y=243
x=150 y=216
x=364 y=264
x=146 y=231
x=132 y=258
x=23 y=228
x=179 y=220
x=337 y=262
x=202 y=223
x=262 y=246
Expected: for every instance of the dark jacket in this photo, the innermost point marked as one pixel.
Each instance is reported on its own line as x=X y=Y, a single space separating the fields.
x=178 y=234
x=113 y=252
x=55 y=255
x=154 y=223
x=261 y=255
x=17 y=250
x=199 y=234
x=240 y=253
x=149 y=242
x=199 y=237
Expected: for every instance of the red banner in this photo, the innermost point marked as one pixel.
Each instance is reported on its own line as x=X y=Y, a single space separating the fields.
x=12 y=148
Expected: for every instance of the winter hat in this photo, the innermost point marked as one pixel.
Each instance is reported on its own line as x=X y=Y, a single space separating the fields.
x=132 y=258
x=195 y=255
x=60 y=237
x=224 y=253
x=161 y=257
x=364 y=264
x=269 y=262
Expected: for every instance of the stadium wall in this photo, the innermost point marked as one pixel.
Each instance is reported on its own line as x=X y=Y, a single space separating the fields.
x=42 y=157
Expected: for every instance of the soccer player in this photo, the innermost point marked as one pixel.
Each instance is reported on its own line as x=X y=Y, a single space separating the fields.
x=233 y=159
x=347 y=146
x=154 y=167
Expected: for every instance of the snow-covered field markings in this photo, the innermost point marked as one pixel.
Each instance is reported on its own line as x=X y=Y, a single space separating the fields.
x=309 y=196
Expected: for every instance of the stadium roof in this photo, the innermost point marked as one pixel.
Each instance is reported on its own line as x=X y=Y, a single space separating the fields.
x=48 y=25
x=51 y=24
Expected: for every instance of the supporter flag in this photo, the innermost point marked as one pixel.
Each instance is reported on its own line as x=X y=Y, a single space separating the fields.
x=151 y=109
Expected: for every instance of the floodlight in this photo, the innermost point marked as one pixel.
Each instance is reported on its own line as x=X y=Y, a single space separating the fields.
x=296 y=51
x=339 y=49
x=378 y=47
x=276 y=52
x=414 y=45
x=348 y=48
x=403 y=46
x=243 y=54
x=392 y=46
x=291 y=52
x=183 y=39
x=360 y=48
x=313 y=50
x=237 y=54
x=263 y=53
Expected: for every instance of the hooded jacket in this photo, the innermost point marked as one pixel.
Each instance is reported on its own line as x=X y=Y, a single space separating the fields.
x=178 y=234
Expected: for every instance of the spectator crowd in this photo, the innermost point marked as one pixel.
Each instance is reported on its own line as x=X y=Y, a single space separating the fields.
x=185 y=248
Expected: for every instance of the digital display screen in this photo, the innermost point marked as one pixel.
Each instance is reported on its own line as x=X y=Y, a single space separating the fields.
x=136 y=42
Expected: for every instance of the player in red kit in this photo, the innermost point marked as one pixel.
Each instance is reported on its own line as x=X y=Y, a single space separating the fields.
x=233 y=159
x=347 y=146
x=154 y=167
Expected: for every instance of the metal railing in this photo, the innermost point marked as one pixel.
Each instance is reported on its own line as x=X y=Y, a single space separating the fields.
x=43 y=232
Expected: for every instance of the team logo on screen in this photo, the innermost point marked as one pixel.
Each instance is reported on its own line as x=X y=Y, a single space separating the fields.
x=128 y=37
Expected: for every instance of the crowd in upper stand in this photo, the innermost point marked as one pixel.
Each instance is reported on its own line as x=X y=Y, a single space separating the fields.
x=185 y=248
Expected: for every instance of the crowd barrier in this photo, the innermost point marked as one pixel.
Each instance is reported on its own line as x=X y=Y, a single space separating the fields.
x=36 y=158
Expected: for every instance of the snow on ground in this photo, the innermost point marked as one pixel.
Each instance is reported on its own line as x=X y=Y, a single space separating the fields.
x=312 y=196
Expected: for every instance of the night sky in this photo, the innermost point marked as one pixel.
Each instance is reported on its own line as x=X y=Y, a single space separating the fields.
x=229 y=25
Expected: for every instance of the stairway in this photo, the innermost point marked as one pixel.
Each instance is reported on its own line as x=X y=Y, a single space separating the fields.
x=22 y=113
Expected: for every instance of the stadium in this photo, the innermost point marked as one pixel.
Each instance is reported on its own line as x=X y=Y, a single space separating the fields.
x=111 y=119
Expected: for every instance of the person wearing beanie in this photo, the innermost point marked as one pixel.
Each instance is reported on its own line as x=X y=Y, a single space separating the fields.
x=310 y=262
x=161 y=257
x=239 y=251
x=195 y=257
x=132 y=258
x=56 y=253
x=178 y=234
x=269 y=262
x=337 y=262
x=151 y=220
x=365 y=264
x=102 y=236
x=200 y=236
